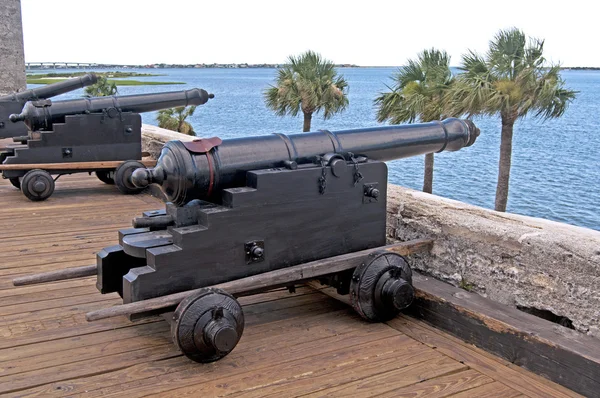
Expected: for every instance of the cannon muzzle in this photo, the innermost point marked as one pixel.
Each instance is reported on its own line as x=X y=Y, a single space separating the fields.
x=41 y=114
x=199 y=169
x=52 y=90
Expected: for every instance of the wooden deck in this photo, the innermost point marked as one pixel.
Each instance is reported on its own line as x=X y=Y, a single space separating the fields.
x=294 y=344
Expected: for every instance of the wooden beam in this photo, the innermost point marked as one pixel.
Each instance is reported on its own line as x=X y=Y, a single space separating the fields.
x=71 y=166
x=52 y=276
x=267 y=280
x=560 y=354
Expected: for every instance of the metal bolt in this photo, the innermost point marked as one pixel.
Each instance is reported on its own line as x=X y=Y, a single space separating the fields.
x=372 y=192
x=257 y=251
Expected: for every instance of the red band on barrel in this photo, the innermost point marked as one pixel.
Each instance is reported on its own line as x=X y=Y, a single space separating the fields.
x=211 y=173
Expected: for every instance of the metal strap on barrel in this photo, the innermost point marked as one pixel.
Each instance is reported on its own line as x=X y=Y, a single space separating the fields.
x=337 y=145
x=289 y=144
x=445 y=135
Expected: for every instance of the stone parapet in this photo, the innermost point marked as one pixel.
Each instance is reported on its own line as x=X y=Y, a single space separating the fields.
x=153 y=139
x=544 y=267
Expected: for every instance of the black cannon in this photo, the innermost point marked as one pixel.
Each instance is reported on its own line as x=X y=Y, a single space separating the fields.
x=101 y=135
x=249 y=214
x=13 y=103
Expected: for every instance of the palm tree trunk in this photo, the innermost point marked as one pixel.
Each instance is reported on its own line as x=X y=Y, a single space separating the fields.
x=504 y=164
x=307 y=120
x=428 y=178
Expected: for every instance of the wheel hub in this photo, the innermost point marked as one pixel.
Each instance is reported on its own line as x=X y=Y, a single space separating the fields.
x=39 y=186
x=382 y=287
x=208 y=326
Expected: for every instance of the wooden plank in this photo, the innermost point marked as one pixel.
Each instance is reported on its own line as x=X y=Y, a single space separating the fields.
x=249 y=362
x=254 y=283
x=559 y=354
x=50 y=294
x=72 y=166
x=492 y=390
x=309 y=374
x=308 y=347
x=15 y=383
x=443 y=386
x=389 y=380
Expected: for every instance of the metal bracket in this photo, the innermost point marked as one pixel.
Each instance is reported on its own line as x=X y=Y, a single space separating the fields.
x=255 y=251
x=370 y=192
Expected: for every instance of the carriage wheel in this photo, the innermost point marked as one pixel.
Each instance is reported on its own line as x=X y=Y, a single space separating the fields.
x=122 y=177
x=382 y=287
x=106 y=176
x=208 y=325
x=37 y=185
x=15 y=182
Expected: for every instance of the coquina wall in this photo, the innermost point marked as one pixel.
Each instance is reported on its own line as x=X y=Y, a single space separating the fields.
x=531 y=263
x=520 y=261
x=12 y=58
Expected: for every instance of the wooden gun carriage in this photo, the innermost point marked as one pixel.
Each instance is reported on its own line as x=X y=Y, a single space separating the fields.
x=251 y=214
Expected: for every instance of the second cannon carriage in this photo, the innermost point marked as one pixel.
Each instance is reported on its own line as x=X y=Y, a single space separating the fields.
x=101 y=135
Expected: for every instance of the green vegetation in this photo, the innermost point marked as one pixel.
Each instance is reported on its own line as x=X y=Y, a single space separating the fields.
x=116 y=81
x=420 y=92
x=116 y=74
x=175 y=119
x=512 y=81
x=102 y=88
x=310 y=84
x=466 y=285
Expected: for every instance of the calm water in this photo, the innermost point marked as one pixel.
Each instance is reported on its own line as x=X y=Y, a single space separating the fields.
x=555 y=164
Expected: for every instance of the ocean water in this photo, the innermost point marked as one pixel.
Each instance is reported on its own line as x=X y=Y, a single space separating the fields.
x=555 y=165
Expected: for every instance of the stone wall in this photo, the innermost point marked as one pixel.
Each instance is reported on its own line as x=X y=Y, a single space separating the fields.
x=521 y=261
x=516 y=260
x=153 y=139
x=12 y=57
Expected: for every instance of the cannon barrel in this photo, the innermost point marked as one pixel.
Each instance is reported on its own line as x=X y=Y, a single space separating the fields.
x=52 y=90
x=199 y=169
x=41 y=114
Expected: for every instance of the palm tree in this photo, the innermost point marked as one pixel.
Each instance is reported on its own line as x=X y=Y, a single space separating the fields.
x=101 y=88
x=310 y=84
x=512 y=80
x=174 y=119
x=419 y=92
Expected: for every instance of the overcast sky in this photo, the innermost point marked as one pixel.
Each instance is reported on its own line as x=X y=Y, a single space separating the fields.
x=363 y=32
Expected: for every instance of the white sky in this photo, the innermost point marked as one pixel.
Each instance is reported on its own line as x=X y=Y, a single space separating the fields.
x=363 y=32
